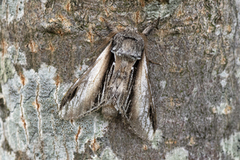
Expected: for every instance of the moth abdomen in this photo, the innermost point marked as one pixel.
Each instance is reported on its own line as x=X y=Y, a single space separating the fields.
x=109 y=111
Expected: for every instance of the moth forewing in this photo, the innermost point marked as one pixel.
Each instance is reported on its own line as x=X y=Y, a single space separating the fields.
x=142 y=112
x=80 y=98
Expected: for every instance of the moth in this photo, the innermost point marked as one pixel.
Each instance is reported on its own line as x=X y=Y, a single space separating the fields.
x=117 y=83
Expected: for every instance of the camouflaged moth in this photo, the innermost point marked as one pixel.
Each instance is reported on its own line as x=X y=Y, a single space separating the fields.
x=117 y=83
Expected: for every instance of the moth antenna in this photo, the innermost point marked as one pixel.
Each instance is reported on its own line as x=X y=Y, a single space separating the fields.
x=131 y=21
x=147 y=30
x=151 y=61
x=108 y=25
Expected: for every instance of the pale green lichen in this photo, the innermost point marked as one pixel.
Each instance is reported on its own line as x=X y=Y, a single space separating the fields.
x=80 y=70
x=5 y=155
x=93 y=126
x=177 y=154
x=238 y=69
x=16 y=56
x=157 y=139
x=155 y=9
x=13 y=56
x=225 y=106
x=107 y=154
x=36 y=104
x=163 y=84
x=231 y=146
x=14 y=8
x=7 y=69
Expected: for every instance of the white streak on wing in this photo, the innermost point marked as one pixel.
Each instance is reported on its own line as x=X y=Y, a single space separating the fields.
x=150 y=134
x=89 y=87
x=142 y=102
x=95 y=74
x=145 y=101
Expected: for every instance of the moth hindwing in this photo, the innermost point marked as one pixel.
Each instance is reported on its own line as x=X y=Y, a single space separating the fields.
x=118 y=84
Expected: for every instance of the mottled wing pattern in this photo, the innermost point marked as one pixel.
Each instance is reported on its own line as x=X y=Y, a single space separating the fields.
x=80 y=98
x=142 y=111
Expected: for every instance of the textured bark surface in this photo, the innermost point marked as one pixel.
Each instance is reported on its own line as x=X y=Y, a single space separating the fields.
x=46 y=45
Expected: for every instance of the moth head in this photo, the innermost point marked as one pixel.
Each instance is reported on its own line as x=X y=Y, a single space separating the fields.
x=128 y=44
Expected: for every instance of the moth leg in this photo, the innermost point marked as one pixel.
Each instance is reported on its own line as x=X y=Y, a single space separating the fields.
x=125 y=109
x=104 y=89
x=110 y=73
x=99 y=99
x=93 y=109
x=131 y=80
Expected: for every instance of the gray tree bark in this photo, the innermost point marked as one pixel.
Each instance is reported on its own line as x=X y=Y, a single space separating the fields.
x=195 y=81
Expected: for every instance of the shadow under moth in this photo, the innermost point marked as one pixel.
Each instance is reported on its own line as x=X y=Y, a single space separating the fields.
x=117 y=83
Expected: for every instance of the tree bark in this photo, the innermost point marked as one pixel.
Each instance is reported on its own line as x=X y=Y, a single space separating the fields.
x=194 y=70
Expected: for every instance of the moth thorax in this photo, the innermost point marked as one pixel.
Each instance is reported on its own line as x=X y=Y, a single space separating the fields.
x=109 y=112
